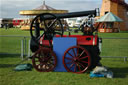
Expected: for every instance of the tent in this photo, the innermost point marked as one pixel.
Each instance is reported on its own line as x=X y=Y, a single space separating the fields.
x=109 y=17
x=109 y=21
x=25 y=25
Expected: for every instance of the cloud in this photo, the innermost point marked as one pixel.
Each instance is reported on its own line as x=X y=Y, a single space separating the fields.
x=11 y=8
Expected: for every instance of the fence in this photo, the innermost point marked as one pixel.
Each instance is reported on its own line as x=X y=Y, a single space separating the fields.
x=115 y=48
x=14 y=45
x=20 y=46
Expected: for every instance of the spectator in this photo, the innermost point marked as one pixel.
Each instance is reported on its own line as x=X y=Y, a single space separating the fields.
x=6 y=26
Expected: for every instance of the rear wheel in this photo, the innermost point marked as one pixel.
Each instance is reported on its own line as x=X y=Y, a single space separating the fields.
x=44 y=60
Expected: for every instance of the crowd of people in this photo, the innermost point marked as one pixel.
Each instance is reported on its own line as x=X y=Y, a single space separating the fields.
x=6 y=25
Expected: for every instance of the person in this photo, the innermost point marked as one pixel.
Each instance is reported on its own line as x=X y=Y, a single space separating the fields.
x=6 y=26
x=0 y=25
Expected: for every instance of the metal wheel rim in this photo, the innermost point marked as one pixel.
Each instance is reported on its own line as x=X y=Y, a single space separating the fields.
x=77 y=62
x=45 y=31
x=42 y=64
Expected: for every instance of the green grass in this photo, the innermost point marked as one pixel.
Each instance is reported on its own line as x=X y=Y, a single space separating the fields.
x=10 y=77
x=12 y=44
x=14 y=31
x=115 y=47
x=113 y=35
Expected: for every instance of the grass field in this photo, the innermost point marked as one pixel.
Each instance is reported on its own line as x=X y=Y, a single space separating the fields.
x=10 y=77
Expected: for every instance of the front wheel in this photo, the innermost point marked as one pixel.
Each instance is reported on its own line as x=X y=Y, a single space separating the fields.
x=76 y=59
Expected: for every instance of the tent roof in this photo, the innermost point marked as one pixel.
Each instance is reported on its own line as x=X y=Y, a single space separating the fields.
x=109 y=17
x=41 y=9
x=44 y=7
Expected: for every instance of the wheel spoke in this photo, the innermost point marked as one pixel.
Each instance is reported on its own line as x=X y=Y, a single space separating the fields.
x=53 y=22
x=70 y=54
x=81 y=53
x=74 y=52
x=77 y=51
x=83 y=58
x=82 y=65
x=51 y=59
x=45 y=56
x=69 y=62
x=84 y=62
x=78 y=67
x=45 y=24
x=75 y=68
x=48 y=58
x=51 y=64
x=39 y=37
x=71 y=65
x=69 y=58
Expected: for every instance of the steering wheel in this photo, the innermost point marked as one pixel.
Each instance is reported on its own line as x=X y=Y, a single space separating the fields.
x=45 y=25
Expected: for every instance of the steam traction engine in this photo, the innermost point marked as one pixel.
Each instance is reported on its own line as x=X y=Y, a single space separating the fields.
x=77 y=59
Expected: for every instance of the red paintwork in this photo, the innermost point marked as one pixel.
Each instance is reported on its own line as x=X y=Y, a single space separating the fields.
x=81 y=40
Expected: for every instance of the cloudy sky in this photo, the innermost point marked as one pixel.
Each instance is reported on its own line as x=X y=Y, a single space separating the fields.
x=11 y=8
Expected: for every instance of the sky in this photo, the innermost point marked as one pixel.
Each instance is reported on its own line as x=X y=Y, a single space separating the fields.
x=11 y=8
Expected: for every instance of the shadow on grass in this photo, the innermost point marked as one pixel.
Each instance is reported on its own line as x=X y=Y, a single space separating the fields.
x=7 y=65
x=10 y=60
x=120 y=72
x=6 y=55
x=123 y=31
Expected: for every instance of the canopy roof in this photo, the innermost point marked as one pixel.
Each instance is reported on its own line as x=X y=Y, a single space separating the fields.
x=41 y=9
x=109 y=17
x=44 y=7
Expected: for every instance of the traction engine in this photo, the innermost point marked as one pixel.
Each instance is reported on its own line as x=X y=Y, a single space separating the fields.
x=76 y=59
